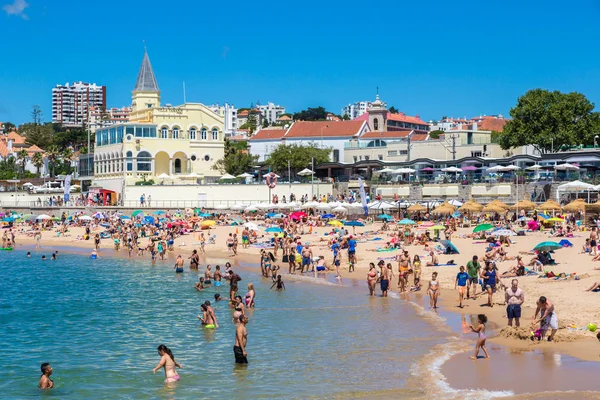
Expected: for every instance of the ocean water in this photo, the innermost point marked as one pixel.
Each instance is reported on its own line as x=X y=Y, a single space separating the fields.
x=98 y=322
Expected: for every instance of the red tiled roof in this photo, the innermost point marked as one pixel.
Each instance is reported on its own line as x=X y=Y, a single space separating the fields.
x=243 y=113
x=3 y=149
x=400 y=117
x=284 y=118
x=317 y=129
x=15 y=137
x=269 y=134
x=386 y=135
x=34 y=149
x=492 y=124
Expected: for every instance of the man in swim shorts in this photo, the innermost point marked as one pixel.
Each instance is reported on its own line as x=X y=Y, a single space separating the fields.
x=514 y=297
x=384 y=279
x=548 y=317
x=241 y=339
x=306 y=257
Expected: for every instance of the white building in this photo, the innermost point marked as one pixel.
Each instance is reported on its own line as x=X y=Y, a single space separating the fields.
x=71 y=103
x=100 y=118
x=230 y=116
x=357 y=109
x=271 y=112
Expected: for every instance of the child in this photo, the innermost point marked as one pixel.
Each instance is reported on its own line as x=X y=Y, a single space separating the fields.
x=279 y=283
x=433 y=290
x=461 y=282
x=480 y=330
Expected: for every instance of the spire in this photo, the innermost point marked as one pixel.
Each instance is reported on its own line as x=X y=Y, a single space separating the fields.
x=146 y=82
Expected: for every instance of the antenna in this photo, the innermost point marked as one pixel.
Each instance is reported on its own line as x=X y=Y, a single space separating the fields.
x=184 y=92
x=144 y=41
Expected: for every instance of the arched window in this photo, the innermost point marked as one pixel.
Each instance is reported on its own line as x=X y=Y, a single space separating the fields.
x=193 y=134
x=215 y=134
x=177 y=166
x=203 y=134
x=375 y=124
x=176 y=132
x=144 y=162
x=377 y=143
x=164 y=132
x=129 y=161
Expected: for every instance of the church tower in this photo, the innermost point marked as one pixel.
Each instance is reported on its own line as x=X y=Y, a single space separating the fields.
x=146 y=94
x=378 y=116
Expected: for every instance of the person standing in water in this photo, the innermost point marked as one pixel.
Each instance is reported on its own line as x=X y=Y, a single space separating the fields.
x=372 y=279
x=178 y=264
x=384 y=279
x=241 y=339
x=45 y=381
x=208 y=275
x=480 y=331
x=194 y=260
x=167 y=361
x=433 y=290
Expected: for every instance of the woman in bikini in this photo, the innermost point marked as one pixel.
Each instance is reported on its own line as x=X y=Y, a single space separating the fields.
x=372 y=279
x=250 y=296
x=433 y=290
x=167 y=361
x=194 y=259
x=416 y=269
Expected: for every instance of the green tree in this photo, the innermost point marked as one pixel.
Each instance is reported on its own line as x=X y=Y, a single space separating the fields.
x=9 y=127
x=8 y=168
x=299 y=156
x=393 y=110
x=548 y=120
x=38 y=161
x=22 y=157
x=52 y=154
x=436 y=134
x=311 y=114
x=237 y=160
x=40 y=135
x=67 y=156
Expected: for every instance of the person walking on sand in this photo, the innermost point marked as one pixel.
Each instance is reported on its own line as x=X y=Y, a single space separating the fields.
x=241 y=340
x=594 y=240
x=461 y=282
x=480 y=331
x=514 y=298
x=167 y=361
x=473 y=268
x=548 y=317
x=433 y=290
x=403 y=267
x=45 y=381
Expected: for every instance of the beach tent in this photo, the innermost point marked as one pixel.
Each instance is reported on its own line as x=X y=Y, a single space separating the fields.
x=449 y=248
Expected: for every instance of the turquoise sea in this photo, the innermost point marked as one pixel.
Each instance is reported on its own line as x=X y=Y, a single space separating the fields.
x=98 y=322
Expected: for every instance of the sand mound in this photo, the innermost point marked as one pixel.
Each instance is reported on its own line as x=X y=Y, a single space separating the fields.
x=562 y=336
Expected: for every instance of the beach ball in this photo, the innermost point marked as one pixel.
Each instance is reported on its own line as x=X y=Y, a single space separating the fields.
x=592 y=327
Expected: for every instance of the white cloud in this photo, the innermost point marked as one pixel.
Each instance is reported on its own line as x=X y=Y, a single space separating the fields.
x=16 y=8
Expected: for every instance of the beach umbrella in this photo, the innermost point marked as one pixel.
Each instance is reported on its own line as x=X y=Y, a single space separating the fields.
x=297 y=215
x=416 y=208
x=381 y=205
x=226 y=177
x=251 y=209
x=335 y=222
x=550 y=205
x=245 y=175
x=208 y=223
x=163 y=176
x=238 y=207
x=159 y=212
x=353 y=223
x=406 y=221
x=555 y=219
x=98 y=215
x=533 y=167
x=251 y=225
x=503 y=232
x=493 y=208
x=305 y=172
x=136 y=213
x=310 y=204
x=452 y=169
x=576 y=205
x=278 y=216
x=326 y=216
x=220 y=207
x=455 y=203
x=483 y=228
x=566 y=167
x=85 y=218
x=547 y=246
x=340 y=209
x=148 y=219
x=124 y=217
x=384 y=171
x=524 y=205
x=271 y=214
x=498 y=203
x=204 y=215
x=8 y=219
x=385 y=216
x=593 y=207
x=274 y=229
x=43 y=217
x=323 y=206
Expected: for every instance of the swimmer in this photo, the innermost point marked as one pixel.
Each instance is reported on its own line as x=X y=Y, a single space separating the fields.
x=207 y=275
x=43 y=258
x=218 y=297
x=480 y=331
x=94 y=255
x=241 y=339
x=178 y=265
x=250 y=296
x=209 y=318
x=238 y=306
x=53 y=258
x=200 y=285
x=28 y=254
x=45 y=381
x=167 y=361
x=279 y=283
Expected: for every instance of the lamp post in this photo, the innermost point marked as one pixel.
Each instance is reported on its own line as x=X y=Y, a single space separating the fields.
x=312 y=179
x=595 y=141
x=552 y=143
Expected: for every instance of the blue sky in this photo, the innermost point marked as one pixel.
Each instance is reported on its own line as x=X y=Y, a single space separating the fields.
x=431 y=58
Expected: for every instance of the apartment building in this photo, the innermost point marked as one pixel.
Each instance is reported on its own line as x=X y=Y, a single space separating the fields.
x=71 y=103
x=230 y=117
x=357 y=109
x=100 y=118
x=271 y=112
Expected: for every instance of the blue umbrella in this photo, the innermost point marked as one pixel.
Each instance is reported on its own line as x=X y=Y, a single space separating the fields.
x=279 y=216
x=148 y=219
x=274 y=229
x=125 y=217
x=456 y=215
x=159 y=212
x=204 y=215
x=327 y=216
x=543 y=216
x=353 y=223
x=406 y=221
x=385 y=216
x=547 y=246
x=271 y=214
x=8 y=219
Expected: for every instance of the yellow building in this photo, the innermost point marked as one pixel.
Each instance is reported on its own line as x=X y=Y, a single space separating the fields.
x=182 y=141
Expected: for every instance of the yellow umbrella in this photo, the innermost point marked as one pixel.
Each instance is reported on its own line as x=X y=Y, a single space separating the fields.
x=208 y=223
x=335 y=222
x=554 y=219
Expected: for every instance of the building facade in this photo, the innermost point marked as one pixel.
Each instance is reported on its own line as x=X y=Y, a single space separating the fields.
x=230 y=117
x=271 y=112
x=357 y=109
x=72 y=103
x=159 y=142
x=100 y=118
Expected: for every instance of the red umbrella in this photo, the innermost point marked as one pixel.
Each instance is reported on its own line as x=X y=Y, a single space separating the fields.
x=298 y=215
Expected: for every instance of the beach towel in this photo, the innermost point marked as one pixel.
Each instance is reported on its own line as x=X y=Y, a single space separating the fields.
x=565 y=243
x=443 y=265
x=385 y=250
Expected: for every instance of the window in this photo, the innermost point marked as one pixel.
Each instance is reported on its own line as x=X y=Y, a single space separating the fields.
x=175 y=134
x=193 y=157
x=366 y=158
x=130 y=130
x=120 y=133
x=403 y=152
x=392 y=153
x=164 y=132
x=139 y=131
x=203 y=134
x=375 y=124
x=177 y=166
x=144 y=162
x=193 y=133
x=355 y=159
x=377 y=143
x=215 y=134
x=380 y=157
x=129 y=161
x=476 y=154
x=207 y=158
x=336 y=156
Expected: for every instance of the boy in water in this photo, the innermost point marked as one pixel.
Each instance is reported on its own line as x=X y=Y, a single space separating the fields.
x=45 y=381
x=279 y=283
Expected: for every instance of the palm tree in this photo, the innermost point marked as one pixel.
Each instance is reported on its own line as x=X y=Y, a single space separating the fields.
x=38 y=161
x=67 y=156
x=22 y=157
x=52 y=155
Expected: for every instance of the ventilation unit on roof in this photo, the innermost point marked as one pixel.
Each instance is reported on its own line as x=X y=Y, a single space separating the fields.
x=168 y=105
